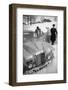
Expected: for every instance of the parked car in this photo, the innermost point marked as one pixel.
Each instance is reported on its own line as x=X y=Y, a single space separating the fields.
x=36 y=53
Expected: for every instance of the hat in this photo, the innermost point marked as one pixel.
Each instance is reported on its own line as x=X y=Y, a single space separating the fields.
x=53 y=24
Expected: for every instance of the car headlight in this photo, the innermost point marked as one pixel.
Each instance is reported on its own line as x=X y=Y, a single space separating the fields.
x=30 y=66
x=49 y=57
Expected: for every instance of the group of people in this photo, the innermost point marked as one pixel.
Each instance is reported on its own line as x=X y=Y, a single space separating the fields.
x=53 y=32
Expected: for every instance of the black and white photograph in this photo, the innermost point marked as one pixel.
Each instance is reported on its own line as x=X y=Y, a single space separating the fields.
x=40 y=44
x=37 y=44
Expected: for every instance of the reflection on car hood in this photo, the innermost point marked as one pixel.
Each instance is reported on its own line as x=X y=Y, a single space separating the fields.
x=35 y=47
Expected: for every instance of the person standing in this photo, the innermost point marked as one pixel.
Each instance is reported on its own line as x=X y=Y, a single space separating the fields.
x=38 y=31
x=53 y=34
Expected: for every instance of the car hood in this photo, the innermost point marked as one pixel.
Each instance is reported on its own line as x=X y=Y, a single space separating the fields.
x=35 y=47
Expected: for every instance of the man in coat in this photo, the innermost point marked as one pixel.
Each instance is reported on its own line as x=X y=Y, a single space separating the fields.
x=38 y=31
x=53 y=34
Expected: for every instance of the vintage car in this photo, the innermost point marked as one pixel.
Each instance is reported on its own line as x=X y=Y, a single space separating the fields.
x=36 y=53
